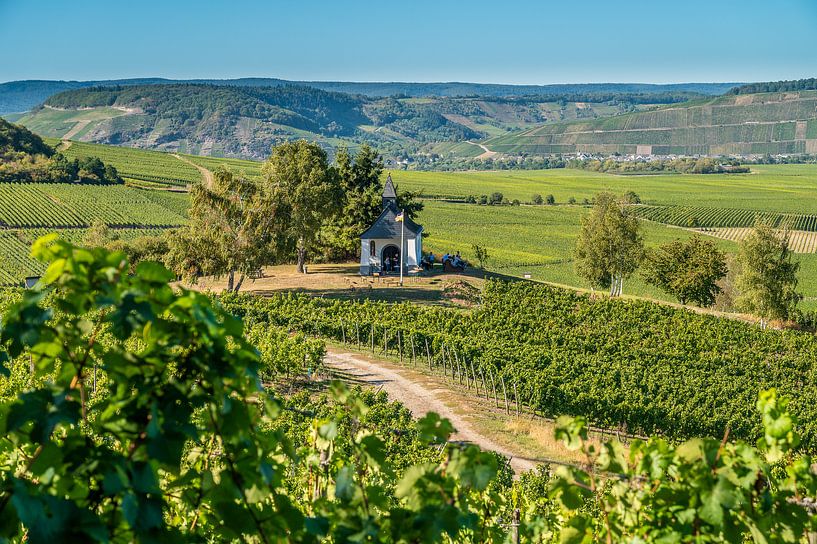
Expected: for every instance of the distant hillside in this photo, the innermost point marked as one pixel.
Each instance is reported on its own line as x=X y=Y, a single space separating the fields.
x=245 y=121
x=743 y=124
x=809 y=84
x=21 y=96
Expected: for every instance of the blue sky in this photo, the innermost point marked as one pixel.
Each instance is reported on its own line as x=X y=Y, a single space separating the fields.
x=510 y=41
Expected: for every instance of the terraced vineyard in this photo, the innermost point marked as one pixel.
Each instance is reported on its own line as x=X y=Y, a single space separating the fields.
x=750 y=124
x=67 y=205
x=690 y=216
x=152 y=167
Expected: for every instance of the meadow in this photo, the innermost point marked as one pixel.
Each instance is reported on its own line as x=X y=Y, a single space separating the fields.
x=790 y=188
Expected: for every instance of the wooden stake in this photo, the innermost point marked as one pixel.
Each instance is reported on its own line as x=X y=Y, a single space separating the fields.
x=493 y=386
x=505 y=394
x=516 y=398
x=400 y=345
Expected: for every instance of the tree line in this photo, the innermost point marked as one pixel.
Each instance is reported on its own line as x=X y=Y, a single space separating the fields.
x=610 y=248
x=25 y=157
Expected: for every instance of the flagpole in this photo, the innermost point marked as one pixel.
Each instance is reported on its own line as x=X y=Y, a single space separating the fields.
x=402 y=244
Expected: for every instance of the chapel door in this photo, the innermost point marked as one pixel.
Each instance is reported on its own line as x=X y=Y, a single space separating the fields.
x=391 y=259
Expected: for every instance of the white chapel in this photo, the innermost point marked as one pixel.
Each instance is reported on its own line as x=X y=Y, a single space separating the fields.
x=380 y=244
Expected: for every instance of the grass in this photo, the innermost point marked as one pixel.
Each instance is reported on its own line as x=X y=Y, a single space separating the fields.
x=778 y=188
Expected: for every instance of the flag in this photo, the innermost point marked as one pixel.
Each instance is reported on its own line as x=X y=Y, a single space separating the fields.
x=399 y=217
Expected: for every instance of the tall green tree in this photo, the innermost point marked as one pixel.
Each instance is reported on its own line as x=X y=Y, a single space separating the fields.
x=304 y=188
x=610 y=245
x=767 y=277
x=229 y=233
x=686 y=269
x=359 y=179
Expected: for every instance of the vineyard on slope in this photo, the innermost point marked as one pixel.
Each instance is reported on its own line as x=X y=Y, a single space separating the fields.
x=70 y=205
x=691 y=216
x=632 y=365
x=138 y=164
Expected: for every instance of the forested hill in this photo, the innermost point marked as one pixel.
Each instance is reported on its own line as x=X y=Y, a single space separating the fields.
x=238 y=121
x=21 y=96
x=244 y=121
x=16 y=140
x=783 y=122
x=809 y=84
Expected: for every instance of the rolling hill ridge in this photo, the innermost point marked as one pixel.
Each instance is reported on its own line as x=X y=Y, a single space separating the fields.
x=244 y=121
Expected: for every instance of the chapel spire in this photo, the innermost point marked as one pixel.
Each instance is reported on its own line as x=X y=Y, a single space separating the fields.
x=389 y=194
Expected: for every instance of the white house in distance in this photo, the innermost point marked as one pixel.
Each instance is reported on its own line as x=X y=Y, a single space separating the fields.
x=380 y=244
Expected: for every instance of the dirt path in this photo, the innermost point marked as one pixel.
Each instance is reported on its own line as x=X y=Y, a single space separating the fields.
x=205 y=173
x=75 y=130
x=488 y=154
x=417 y=398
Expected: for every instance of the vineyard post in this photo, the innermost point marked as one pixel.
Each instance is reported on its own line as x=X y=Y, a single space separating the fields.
x=385 y=340
x=372 y=337
x=493 y=386
x=357 y=333
x=532 y=404
x=505 y=394
x=428 y=353
x=484 y=384
x=400 y=345
x=516 y=399
x=515 y=526
x=343 y=331
x=473 y=373
x=413 y=352
x=442 y=355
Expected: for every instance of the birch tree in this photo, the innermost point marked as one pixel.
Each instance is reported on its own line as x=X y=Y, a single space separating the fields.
x=610 y=245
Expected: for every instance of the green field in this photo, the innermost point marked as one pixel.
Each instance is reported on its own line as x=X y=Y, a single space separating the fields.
x=777 y=188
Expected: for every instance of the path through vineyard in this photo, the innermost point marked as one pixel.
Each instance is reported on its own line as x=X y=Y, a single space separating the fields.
x=206 y=174
x=418 y=398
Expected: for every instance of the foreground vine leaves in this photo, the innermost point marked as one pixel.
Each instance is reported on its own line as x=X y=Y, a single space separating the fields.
x=131 y=412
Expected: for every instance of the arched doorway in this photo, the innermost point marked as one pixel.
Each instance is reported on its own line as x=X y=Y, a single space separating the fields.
x=390 y=259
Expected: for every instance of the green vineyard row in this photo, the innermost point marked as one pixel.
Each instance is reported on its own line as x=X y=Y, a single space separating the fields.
x=688 y=216
x=67 y=205
x=632 y=365
x=141 y=164
x=15 y=247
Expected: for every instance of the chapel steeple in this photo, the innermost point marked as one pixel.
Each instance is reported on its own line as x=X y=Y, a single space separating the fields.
x=389 y=194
